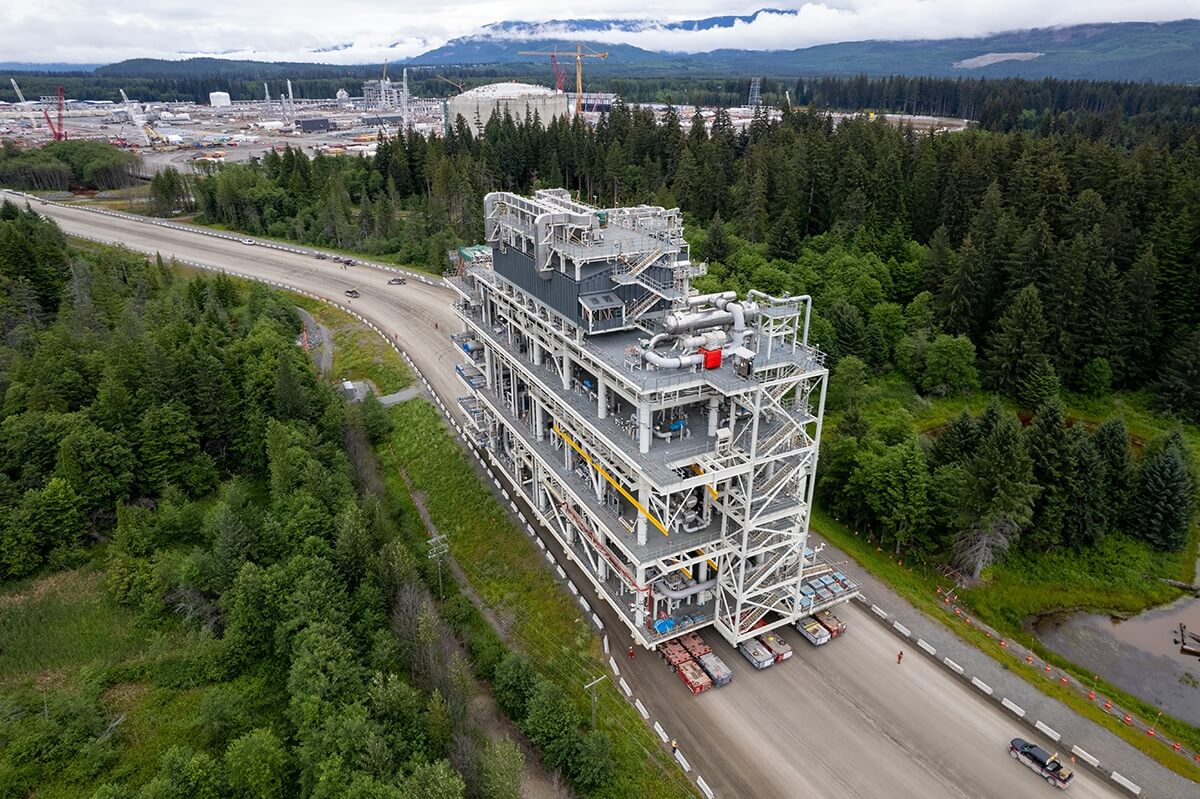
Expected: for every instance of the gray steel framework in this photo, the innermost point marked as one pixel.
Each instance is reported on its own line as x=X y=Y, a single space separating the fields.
x=671 y=453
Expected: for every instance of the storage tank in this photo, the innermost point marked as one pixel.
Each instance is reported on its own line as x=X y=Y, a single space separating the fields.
x=219 y=99
x=476 y=105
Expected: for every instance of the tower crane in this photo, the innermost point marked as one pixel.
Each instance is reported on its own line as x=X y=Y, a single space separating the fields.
x=59 y=133
x=580 y=47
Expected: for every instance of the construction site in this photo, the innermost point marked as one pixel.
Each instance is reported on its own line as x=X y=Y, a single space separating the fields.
x=668 y=439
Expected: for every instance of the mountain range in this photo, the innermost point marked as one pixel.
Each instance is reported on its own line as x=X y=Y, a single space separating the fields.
x=1166 y=52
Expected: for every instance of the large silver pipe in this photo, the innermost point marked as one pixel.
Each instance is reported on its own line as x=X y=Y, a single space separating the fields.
x=703 y=299
x=661 y=588
x=683 y=321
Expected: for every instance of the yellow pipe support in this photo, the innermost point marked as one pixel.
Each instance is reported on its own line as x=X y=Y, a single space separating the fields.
x=612 y=482
x=696 y=468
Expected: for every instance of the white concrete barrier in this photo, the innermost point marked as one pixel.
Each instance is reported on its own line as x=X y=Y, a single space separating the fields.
x=571 y=586
x=1126 y=784
x=613 y=665
x=900 y=628
x=583 y=604
x=661 y=732
x=1084 y=756
x=952 y=665
x=703 y=786
x=560 y=571
x=606 y=644
x=878 y=611
x=682 y=761
x=921 y=643
x=596 y=621
x=1047 y=731
x=1017 y=710
x=625 y=687
x=641 y=709
x=981 y=685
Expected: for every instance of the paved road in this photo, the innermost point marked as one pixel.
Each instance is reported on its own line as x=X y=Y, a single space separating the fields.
x=843 y=720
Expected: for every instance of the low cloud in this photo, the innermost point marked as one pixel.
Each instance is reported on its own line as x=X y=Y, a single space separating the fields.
x=79 y=31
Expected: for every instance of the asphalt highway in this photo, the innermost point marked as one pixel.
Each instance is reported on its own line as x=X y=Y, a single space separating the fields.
x=843 y=720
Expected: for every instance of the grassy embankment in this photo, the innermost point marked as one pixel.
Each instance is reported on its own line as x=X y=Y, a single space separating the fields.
x=1119 y=577
x=358 y=352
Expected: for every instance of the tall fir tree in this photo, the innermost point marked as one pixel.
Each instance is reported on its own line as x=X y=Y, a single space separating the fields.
x=1111 y=441
x=1018 y=344
x=1164 y=504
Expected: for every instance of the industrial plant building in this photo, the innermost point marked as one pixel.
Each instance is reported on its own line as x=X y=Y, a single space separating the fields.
x=668 y=440
x=476 y=105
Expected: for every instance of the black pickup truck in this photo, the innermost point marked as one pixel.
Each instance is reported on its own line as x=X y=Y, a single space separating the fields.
x=1042 y=762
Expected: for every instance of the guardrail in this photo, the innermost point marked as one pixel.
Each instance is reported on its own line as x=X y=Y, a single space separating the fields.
x=987 y=692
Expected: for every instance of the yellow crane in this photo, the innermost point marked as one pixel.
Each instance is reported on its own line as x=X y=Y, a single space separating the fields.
x=580 y=47
x=453 y=83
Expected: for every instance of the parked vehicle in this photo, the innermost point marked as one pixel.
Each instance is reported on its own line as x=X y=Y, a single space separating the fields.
x=396 y=281
x=715 y=668
x=813 y=631
x=251 y=242
x=778 y=647
x=352 y=293
x=320 y=256
x=759 y=656
x=832 y=623
x=1041 y=762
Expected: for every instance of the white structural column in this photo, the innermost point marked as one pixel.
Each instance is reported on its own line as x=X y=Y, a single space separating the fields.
x=643 y=428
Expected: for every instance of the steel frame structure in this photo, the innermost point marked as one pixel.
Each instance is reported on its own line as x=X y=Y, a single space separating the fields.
x=682 y=482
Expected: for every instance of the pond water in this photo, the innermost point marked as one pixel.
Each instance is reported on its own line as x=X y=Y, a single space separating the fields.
x=1137 y=654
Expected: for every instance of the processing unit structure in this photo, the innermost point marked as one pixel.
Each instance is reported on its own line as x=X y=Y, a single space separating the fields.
x=668 y=439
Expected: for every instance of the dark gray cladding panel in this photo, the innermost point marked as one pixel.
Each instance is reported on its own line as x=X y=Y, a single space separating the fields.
x=553 y=287
x=560 y=291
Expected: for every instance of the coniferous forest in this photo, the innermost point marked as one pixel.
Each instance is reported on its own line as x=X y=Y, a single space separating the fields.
x=208 y=592
x=1023 y=264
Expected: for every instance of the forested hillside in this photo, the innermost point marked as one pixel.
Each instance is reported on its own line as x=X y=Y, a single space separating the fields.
x=222 y=603
x=62 y=165
x=1021 y=263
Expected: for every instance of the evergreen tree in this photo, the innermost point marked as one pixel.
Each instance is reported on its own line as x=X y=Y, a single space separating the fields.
x=1179 y=385
x=1050 y=449
x=1163 y=505
x=1085 y=522
x=1017 y=346
x=717 y=246
x=960 y=292
x=940 y=261
x=1041 y=385
x=1139 y=292
x=956 y=442
x=1111 y=441
x=998 y=503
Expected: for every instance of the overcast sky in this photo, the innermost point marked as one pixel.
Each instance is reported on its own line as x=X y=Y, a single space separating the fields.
x=101 y=31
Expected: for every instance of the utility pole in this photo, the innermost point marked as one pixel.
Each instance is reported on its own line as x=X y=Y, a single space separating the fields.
x=438 y=548
x=591 y=689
